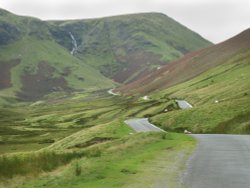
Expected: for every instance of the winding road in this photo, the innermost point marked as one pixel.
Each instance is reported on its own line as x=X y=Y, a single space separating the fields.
x=220 y=161
x=183 y=104
x=142 y=125
x=110 y=91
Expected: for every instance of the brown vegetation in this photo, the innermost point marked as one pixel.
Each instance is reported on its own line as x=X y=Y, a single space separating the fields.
x=190 y=66
x=136 y=65
x=5 y=72
x=41 y=83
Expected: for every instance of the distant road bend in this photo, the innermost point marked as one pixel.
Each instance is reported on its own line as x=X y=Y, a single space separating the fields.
x=142 y=125
x=183 y=104
x=112 y=93
x=220 y=161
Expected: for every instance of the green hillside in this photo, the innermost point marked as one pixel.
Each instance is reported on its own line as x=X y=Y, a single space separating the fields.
x=82 y=141
x=70 y=132
x=192 y=65
x=45 y=64
x=127 y=47
x=38 y=58
x=214 y=80
x=34 y=65
x=220 y=98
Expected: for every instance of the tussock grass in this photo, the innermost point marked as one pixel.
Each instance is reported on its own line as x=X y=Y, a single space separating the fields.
x=123 y=161
x=78 y=169
x=209 y=118
x=34 y=163
x=227 y=84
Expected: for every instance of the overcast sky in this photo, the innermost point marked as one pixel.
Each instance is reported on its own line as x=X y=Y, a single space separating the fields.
x=215 y=20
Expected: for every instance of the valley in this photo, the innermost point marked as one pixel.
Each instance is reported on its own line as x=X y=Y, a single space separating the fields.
x=106 y=102
x=84 y=131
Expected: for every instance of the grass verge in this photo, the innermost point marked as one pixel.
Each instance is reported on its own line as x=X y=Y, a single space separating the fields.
x=122 y=162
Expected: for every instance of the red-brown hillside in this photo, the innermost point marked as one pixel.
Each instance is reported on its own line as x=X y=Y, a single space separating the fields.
x=190 y=66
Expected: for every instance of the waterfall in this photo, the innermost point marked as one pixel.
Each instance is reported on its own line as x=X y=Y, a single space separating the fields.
x=74 y=49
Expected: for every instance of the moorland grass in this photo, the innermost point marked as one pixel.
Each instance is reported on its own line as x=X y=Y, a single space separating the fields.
x=123 y=161
x=34 y=163
x=220 y=99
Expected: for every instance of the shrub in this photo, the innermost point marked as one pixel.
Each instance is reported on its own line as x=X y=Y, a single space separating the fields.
x=94 y=152
x=78 y=169
x=34 y=163
x=164 y=136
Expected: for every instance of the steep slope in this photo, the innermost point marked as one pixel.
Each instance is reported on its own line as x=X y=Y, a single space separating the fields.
x=126 y=48
x=232 y=51
x=214 y=80
x=38 y=57
x=220 y=98
x=33 y=65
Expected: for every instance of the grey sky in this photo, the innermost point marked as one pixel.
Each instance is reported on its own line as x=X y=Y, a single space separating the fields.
x=215 y=20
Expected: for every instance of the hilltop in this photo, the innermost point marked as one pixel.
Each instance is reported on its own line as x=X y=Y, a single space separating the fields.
x=126 y=48
x=39 y=58
x=33 y=65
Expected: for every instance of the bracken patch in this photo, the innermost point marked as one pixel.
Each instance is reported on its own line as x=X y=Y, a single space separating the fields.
x=136 y=63
x=5 y=72
x=41 y=83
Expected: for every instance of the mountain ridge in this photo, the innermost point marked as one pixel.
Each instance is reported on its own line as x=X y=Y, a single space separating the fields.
x=119 y=48
x=124 y=37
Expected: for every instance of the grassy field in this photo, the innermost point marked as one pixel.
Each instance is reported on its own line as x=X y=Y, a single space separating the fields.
x=80 y=140
x=42 y=123
x=220 y=98
x=122 y=162
x=76 y=136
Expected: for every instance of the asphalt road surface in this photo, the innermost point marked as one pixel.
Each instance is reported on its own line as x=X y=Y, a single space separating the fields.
x=220 y=161
x=142 y=125
x=183 y=104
